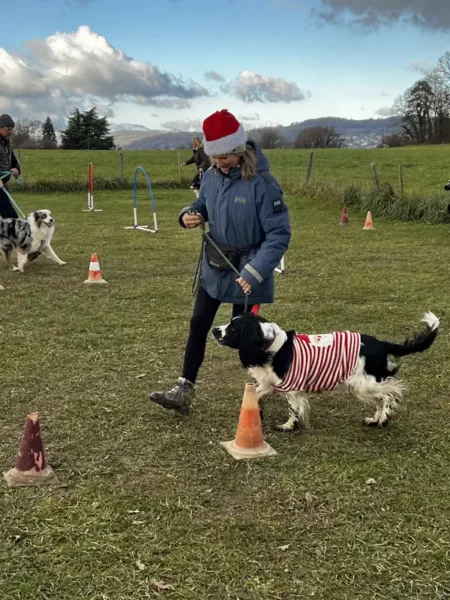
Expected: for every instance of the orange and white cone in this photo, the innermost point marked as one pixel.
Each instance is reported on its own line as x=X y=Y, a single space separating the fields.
x=368 y=223
x=249 y=441
x=31 y=469
x=95 y=275
x=344 y=220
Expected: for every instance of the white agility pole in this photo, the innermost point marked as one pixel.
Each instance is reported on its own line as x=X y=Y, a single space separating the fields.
x=90 y=207
x=281 y=267
x=152 y=199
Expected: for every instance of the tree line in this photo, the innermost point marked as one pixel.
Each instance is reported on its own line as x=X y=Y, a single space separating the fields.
x=84 y=131
x=87 y=131
x=424 y=109
x=311 y=137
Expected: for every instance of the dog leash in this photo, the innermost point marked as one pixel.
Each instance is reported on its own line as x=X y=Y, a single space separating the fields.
x=207 y=240
x=4 y=174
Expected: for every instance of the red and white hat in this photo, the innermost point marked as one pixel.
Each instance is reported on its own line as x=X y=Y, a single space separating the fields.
x=223 y=134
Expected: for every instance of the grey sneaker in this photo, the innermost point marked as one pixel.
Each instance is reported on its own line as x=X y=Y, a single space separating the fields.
x=178 y=398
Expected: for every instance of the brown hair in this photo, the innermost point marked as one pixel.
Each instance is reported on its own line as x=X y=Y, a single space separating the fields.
x=247 y=162
x=197 y=141
x=248 y=165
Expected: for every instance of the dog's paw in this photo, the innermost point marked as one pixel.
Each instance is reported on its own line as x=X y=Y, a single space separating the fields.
x=17 y=269
x=61 y=263
x=371 y=422
x=288 y=427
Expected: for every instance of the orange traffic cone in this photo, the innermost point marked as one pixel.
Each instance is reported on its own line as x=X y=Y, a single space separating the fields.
x=31 y=469
x=344 y=220
x=249 y=441
x=369 y=224
x=95 y=275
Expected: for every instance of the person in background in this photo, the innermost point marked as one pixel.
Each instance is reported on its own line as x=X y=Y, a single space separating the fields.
x=8 y=162
x=201 y=159
x=247 y=217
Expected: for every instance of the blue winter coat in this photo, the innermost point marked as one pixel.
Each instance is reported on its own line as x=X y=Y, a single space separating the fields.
x=244 y=214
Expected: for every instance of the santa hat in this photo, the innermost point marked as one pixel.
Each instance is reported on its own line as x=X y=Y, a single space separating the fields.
x=223 y=134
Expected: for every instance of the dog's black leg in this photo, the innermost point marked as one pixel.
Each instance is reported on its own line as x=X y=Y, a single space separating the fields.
x=33 y=255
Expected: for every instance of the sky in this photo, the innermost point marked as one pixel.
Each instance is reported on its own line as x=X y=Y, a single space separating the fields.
x=168 y=64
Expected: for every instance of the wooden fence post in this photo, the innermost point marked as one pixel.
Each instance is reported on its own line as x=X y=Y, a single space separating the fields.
x=375 y=176
x=121 y=175
x=310 y=165
x=402 y=187
x=19 y=158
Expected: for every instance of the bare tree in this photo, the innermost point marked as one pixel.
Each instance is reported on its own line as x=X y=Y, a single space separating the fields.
x=27 y=134
x=268 y=137
x=440 y=106
x=415 y=107
x=319 y=137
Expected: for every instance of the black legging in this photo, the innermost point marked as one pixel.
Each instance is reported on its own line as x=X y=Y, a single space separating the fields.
x=6 y=208
x=196 y=182
x=205 y=310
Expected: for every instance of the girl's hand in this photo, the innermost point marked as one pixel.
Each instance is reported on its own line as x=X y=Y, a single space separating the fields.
x=191 y=221
x=246 y=287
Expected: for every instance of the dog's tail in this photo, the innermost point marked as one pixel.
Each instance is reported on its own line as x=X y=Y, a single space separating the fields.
x=418 y=342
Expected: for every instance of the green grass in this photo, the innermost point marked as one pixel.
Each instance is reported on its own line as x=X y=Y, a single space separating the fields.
x=425 y=167
x=142 y=484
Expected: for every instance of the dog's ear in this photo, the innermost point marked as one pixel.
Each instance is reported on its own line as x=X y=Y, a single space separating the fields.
x=251 y=344
x=37 y=215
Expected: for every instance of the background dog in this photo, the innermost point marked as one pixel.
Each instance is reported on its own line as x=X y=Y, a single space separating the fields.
x=31 y=236
x=285 y=363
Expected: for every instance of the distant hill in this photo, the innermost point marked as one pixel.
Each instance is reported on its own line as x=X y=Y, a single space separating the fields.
x=128 y=127
x=160 y=140
x=364 y=133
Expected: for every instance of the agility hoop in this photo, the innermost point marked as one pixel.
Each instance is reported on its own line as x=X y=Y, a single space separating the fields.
x=152 y=199
x=90 y=207
x=281 y=267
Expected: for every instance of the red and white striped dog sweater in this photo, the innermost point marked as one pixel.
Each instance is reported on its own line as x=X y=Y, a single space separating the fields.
x=321 y=362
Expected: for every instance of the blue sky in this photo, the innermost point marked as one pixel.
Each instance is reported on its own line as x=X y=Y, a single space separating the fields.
x=272 y=61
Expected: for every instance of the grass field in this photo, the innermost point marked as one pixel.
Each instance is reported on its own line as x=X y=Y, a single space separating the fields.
x=150 y=505
x=426 y=169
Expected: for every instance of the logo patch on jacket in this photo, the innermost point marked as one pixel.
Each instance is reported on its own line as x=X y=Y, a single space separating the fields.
x=278 y=205
x=240 y=200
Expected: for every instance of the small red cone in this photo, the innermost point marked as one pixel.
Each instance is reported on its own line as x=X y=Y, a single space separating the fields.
x=344 y=219
x=255 y=309
x=368 y=223
x=31 y=469
x=95 y=275
x=249 y=441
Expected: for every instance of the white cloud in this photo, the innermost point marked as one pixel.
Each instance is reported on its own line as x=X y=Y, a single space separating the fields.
x=429 y=14
x=385 y=111
x=253 y=87
x=83 y=69
x=214 y=76
x=246 y=118
x=183 y=125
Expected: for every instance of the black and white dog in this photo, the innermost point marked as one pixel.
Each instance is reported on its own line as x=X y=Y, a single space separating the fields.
x=289 y=364
x=28 y=236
